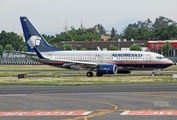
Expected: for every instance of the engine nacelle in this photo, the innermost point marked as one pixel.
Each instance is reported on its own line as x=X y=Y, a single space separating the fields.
x=107 y=69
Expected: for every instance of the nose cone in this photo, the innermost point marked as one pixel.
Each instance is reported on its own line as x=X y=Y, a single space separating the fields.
x=169 y=62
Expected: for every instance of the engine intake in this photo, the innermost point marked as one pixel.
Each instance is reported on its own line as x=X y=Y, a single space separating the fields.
x=107 y=69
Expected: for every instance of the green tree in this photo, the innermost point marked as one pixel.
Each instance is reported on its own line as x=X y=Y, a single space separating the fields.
x=67 y=46
x=83 y=48
x=143 y=34
x=112 y=47
x=166 y=47
x=162 y=29
x=135 y=48
x=1 y=50
x=163 y=21
x=78 y=35
x=113 y=34
x=55 y=45
x=48 y=38
x=11 y=38
x=25 y=49
x=9 y=47
x=130 y=33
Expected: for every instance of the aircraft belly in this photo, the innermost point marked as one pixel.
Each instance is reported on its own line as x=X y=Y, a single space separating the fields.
x=142 y=66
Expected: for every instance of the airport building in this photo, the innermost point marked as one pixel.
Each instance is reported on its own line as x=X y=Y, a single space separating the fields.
x=92 y=45
x=154 y=46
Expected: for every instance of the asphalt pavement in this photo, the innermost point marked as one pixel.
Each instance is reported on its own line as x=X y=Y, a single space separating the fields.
x=107 y=102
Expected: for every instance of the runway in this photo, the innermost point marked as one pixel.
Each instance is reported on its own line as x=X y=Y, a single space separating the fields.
x=24 y=89
x=106 y=102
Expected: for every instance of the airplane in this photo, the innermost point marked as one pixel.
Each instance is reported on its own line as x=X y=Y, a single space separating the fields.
x=101 y=62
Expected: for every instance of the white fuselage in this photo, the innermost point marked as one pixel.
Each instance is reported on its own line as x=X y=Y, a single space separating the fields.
x=123 y=59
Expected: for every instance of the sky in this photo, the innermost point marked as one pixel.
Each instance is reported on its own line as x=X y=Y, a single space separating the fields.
x=50 y=15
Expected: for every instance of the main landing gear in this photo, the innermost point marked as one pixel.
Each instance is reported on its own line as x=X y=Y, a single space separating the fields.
x=89 y=74
x=99 y=74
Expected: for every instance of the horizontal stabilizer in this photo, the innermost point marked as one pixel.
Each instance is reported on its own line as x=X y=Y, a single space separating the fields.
x=38 y=53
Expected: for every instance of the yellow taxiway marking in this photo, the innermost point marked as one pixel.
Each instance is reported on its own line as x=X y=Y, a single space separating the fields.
x=100 y=113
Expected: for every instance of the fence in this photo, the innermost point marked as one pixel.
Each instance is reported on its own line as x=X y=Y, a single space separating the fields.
x=18 y=61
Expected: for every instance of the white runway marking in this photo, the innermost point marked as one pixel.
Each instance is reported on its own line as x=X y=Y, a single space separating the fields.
x=44 y=113
x=149 y=113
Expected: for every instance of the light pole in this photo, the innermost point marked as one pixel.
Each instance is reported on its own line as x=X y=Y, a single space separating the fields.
x=118 y=44
x=174 y=54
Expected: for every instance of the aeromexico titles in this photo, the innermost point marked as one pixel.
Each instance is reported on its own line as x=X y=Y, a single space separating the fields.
x=101 y=62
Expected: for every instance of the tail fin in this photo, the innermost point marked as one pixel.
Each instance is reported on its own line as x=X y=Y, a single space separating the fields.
x=33 y=38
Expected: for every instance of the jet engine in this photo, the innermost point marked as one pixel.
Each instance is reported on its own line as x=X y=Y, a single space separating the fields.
x=107 y=69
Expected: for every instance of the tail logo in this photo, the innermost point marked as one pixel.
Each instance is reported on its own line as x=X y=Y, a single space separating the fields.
x=33 y=41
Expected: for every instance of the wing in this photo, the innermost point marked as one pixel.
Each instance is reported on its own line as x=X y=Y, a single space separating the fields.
x=27 y=53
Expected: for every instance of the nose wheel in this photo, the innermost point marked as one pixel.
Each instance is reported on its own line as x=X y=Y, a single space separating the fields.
x=153 y=74
x=155 y=71
x=89 y=74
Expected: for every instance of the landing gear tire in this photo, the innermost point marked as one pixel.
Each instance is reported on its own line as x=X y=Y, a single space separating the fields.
x=153 y=74
x=99 y=74
x=89 y=74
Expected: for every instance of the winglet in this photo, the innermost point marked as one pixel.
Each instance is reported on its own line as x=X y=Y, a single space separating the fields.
x=38 y=53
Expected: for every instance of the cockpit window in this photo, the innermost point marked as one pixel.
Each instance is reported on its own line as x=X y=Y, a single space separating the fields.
x=160 y=57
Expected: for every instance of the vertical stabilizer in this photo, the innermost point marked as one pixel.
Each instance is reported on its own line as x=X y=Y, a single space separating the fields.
x=33 y=38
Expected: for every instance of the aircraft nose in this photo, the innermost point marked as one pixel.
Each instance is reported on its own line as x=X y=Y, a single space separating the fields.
x=170 y=62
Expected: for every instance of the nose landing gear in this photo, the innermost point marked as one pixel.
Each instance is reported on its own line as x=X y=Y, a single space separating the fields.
x=155 y=71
